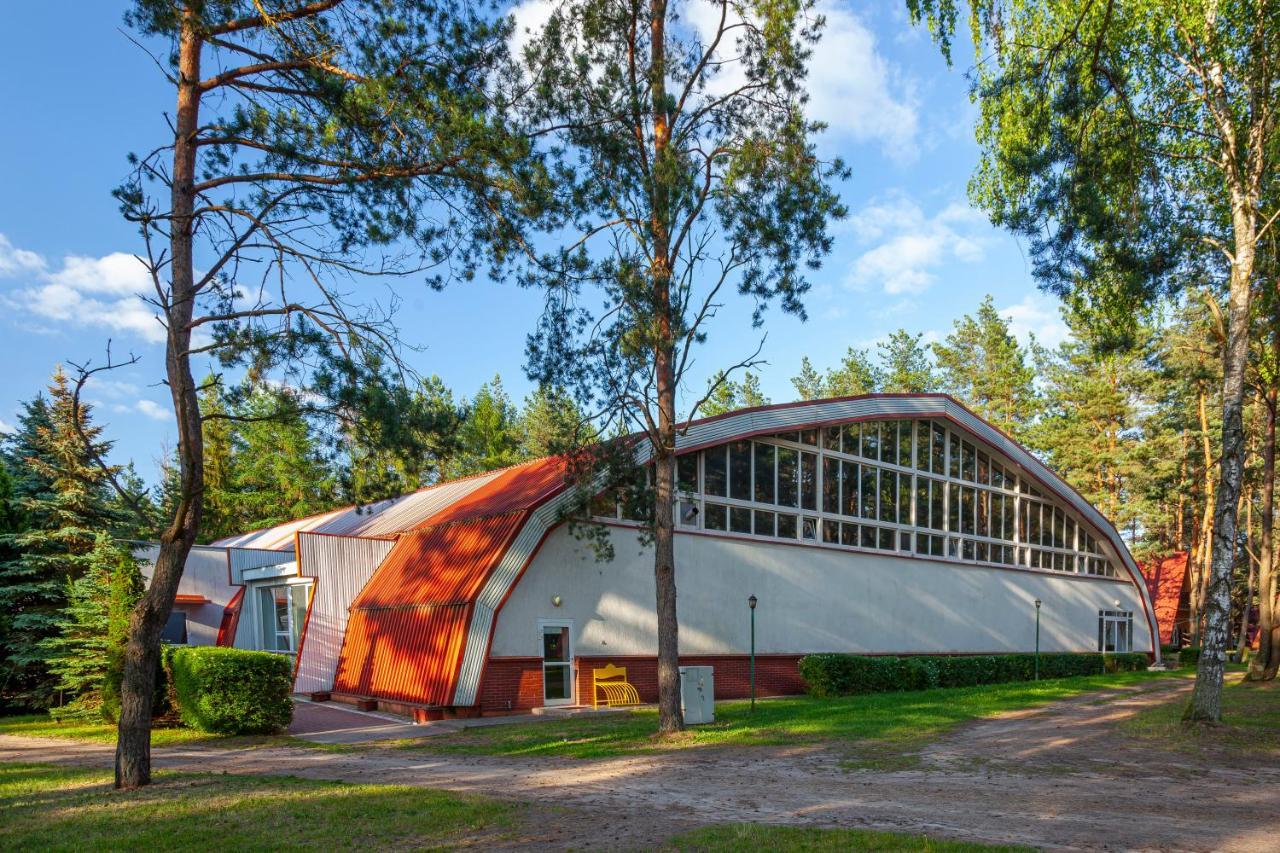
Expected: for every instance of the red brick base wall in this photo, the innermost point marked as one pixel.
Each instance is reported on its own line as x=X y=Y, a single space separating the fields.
x=515 y=684
x=776 y=675
x=511 y=684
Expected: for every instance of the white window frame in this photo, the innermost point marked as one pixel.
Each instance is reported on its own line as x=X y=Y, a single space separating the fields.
x=294 y=630
x=569 y=664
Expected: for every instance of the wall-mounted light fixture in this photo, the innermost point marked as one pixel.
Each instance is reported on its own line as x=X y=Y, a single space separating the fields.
x=556 y=601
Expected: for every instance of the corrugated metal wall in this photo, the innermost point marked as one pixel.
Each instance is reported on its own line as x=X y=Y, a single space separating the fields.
x=407 y=628
x=341 y=565
x=254 y=558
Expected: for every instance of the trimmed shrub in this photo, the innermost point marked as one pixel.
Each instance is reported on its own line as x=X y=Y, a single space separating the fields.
x=828 y=675
x=1190 y=656
x=231 y=691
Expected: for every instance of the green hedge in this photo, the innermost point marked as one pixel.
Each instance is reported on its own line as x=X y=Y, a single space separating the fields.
x=829 y=675
x=1190 y=656
x=231 y=691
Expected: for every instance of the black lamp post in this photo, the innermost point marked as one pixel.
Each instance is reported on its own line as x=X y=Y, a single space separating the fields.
x=751 y=603
x=1037 y=639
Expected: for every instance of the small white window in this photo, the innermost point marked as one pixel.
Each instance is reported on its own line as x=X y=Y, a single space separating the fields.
x=1115 y=631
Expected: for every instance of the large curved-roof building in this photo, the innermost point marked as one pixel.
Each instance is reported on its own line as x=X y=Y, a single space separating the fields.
x=875 y=524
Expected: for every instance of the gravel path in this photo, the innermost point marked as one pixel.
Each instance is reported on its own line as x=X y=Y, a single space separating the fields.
x=1058 y=777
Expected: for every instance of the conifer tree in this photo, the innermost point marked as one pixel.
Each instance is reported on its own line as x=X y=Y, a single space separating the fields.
x=905 y=365
x=729 y=396
x=808 y=382
x=61 y=494
x=550 y=423
x=92 y=629
x=984 y=367
x=488 y=438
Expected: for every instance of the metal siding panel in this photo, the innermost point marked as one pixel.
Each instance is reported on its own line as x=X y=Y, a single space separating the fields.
x=341 y=566
x=241 y=559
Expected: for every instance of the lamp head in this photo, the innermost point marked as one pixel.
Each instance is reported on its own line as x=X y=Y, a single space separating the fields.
x=1037 y=604
x=751 y=602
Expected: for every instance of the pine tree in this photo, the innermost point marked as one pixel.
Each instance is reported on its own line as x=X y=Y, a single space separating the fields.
x=808 y=382
x=729 y=396
x=855 y=375
x=489 y=436
x=219 y=501
x=550 y=423
x=278 y=473
x=61 y=495
x=92 y=628
x=983 y=365
x=905 y=365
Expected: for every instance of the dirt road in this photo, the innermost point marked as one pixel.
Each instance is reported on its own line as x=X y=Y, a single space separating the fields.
x=1059 y=777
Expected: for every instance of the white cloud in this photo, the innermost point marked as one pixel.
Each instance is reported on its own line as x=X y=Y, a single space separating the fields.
x=856 y=91
x=1039 y=315
x=6 y=427
x=153 y=410
x=906 y=246
x=15 y=261
x=103 y=292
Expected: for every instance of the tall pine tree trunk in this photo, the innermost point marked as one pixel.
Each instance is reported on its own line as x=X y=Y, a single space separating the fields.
x=142 y=652
x=1263 y=665
x=670 y=718
x=1206 y=699
x=1203 y=566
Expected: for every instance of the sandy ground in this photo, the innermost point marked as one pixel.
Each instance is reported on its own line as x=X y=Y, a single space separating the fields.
x=1060 y=777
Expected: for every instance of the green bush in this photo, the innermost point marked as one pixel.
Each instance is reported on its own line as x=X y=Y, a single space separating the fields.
x=1190 y=656
x=231 y=691
x=828 y=675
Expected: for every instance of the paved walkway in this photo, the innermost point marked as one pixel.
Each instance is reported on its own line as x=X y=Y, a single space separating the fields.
x=1058 y=777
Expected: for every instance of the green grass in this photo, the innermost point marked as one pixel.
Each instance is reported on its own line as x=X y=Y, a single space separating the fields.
x=898 y=721
x=48 y=808
x=1250 y=714
x=745 y=836
x=43 y=726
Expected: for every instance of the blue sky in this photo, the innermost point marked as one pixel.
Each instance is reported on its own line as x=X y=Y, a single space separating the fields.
x=80 y=96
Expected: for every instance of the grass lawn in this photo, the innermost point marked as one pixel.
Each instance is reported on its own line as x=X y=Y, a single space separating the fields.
x=48 y=808
x=41 y=725
x=1251 y=720
x=746 y=836
x=898 y=721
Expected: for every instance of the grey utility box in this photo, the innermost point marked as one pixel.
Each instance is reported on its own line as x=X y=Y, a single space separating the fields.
x=698 y=694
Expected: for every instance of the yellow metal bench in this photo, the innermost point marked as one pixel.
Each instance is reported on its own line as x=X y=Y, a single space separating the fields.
x=612 y=682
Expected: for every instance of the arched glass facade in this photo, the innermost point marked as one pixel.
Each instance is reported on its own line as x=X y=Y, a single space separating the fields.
x=904 y=486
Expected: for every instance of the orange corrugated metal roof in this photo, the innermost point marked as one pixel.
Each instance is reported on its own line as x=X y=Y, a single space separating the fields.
x=1165 y=577
x=408 y=626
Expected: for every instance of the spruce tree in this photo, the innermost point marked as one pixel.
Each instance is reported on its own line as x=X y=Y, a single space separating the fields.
x=61 y=495
x=729 y=396
x=550 y=423
x=92 y=628
x=905 y=365
x=488 y=438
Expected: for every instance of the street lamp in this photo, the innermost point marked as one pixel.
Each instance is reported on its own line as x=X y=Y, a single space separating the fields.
x=751 y=603
x=1037 y=639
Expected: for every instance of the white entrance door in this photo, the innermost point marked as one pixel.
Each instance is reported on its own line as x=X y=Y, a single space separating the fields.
x=557 y=665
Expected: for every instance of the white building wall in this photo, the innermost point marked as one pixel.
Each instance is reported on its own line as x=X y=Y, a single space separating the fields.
x=811 y=599
x=204 y=574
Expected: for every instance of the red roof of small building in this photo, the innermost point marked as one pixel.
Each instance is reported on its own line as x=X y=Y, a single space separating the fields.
x=1165 y=577
x=408 y=627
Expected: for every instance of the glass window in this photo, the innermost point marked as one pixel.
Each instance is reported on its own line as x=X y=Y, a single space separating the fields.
x=889 y=442
x=809 y=436
x=787 y=525
x=739 y=520
x=904 y=443
x=809 y=481
x=869 y=488
x=830 y=531
x=831 y=438
x=788 y=477
x=922 y=445
x=922 y=502
x=904 y=498
x=849 y=534
x=740 y=470
x=765 y=523
x=687 y=472
x=849 y=488
x=716 y=473
x=831 y=485
x=175 y=629
x=871 y=440
x=968 y=461
x=888 y=496
x=849 y=441
x=764 y=471
x=953 y=469
x=716 y=517
x=867 y=536
x=936 y=498
x=939 y=449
